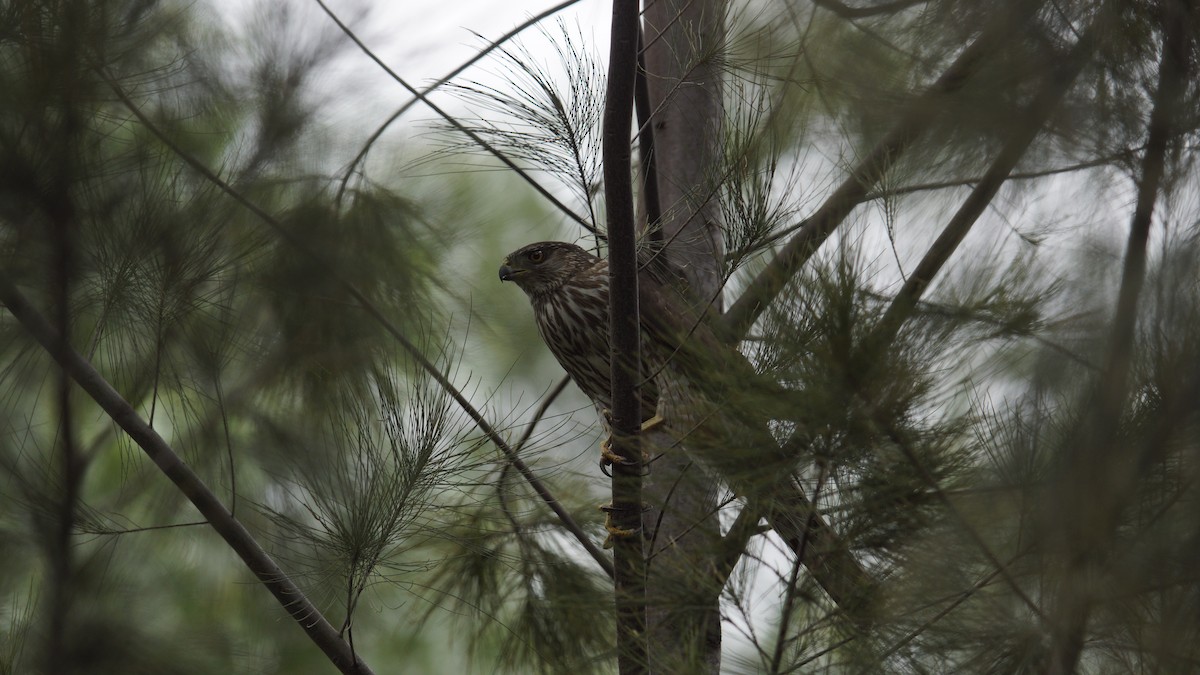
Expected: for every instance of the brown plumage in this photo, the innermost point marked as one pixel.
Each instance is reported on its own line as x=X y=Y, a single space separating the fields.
x=712 y=400
x=689 y=374
x=568 y=288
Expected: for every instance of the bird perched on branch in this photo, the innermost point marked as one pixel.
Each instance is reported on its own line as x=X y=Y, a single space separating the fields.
x=568 y=288
x=709 y=396
x=687 y=373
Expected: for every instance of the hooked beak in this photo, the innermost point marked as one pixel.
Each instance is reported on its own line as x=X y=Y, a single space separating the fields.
x=508 y=274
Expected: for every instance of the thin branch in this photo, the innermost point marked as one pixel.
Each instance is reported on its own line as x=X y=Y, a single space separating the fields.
x=1105 y=160
x=847 y=12
x=1043 y=105
x=362 y=153
x=538 y=414
x=458 y=125
x=502 y=481
x=822 y=550
x=625 y=511
x=913 y=121
x=645 y=139
x=375 y=313
x=85 y=529
x=681 y=533
x=231 y=530
x=789 y=598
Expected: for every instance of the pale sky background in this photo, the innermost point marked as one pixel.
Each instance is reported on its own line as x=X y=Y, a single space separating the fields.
x=422 y=41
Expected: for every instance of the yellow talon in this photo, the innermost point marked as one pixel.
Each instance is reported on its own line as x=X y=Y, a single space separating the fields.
x=608 y=457
x=613 y=530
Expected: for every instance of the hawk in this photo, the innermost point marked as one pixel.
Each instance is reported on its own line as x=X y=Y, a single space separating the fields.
x=687 y=370
x=568 y=288
x=710 y=397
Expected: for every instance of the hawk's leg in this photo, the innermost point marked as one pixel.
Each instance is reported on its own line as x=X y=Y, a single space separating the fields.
x=608 y=457
x=614 y=531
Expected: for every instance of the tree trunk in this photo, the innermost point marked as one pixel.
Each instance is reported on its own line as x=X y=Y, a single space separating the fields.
x=681 y=38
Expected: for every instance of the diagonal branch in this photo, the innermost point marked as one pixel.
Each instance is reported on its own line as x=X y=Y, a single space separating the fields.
x=1056 y=86
x=458 y=125
x=319 y=630
x=375 y=313
x=913 y=121
x=495 y=44
x=821 y=549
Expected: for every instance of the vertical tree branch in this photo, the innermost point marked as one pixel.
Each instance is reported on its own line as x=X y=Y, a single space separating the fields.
x=1098 y=479
x=641 y=100
x=61 y=137
x=684 y=43
x=625 y=335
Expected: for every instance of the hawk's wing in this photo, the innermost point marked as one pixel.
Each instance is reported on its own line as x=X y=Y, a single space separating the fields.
x=712 y=394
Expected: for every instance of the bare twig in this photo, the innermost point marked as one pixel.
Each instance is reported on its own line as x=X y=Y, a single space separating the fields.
x=492 y=46
x=376 y=314
x=538 y=414
x=458 y=125
x=847 y=12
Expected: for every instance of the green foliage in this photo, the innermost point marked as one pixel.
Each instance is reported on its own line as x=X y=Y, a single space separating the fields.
x=956 y=444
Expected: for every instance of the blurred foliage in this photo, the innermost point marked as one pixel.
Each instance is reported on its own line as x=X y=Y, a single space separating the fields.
x=940 y=453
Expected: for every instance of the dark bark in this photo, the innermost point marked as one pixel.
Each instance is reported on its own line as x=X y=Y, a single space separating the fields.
x=625 y=512
x=59 y=55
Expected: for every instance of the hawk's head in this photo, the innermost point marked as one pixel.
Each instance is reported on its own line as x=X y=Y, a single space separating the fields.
x=544 y=267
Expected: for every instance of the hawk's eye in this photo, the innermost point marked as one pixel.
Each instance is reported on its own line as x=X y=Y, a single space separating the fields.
x=537 y=256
